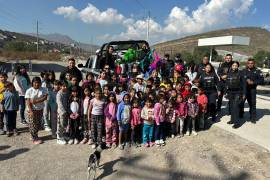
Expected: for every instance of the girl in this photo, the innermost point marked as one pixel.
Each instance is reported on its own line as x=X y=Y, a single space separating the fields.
x=102 y=79
x=74 y=116
x=187 y=90
x=85 y=123
x=136 y=123
x=193 y=110
x=123 y=118
x=182 y=110
x=96 y=114
x=89 y=82
x=148 y=123
x=11 y=106
x=171 y=115
x=159 y=112
x=22 y=83
x=202 y=102
x=62 y=112
x=35 y=97
x=46 y=111
x=111 y=122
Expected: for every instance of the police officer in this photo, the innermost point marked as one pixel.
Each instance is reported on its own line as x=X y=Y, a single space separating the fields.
x=253 y=77
x=222 y=73
x=236 y=89
x=201 y=67
x=210 y=81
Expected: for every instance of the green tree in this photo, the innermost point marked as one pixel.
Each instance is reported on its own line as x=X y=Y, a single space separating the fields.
x=199 y=52
x=260 y=56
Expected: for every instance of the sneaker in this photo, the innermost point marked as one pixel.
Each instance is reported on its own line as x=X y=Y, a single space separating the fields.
x=94 y=146
x=180 y=135
x=71 y=141
x=108 y=146
x=48 y=129
x=173 y=136
x=61 y=142
x=161 y=142
x=37 y=141
x=2 y=132
x=187 y=133
x=230 y=122
x=76 y=141
x=114 y=146
x=146 y=145
x=16 y=133
x=194 y=133
x=90 y=142
x=121 y=147
x=9 y=134
x=84 y=141
x=151 y=144
x=157 y=142
x=23 y=122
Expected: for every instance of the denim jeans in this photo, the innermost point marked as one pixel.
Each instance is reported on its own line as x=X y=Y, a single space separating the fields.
x=160 y=131
x=22 y=108
x=147 y=133
x=11 y=120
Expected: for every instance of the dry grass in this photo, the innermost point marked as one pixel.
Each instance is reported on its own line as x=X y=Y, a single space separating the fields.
x=10 y=55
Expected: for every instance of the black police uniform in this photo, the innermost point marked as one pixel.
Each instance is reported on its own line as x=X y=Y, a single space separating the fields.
x=235 y=88
x=222 y=70
x=256 y=76
x=210 y=83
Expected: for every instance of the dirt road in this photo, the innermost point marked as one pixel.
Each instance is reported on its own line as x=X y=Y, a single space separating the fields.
x=213 y=154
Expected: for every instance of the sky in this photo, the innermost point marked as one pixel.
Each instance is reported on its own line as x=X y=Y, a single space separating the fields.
x=99 y=21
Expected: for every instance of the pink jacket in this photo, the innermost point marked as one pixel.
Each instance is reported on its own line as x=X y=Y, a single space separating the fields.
x=136 y=117
x=110 y=113
x=182 y=109
x=159 y=113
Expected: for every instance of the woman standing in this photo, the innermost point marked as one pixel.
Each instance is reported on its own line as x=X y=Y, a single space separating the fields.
x=236 y=89
x=209 y=81
x=21 y=83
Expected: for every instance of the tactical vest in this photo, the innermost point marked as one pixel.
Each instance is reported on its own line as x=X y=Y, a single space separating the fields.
x=209 y=82
x=234 y=81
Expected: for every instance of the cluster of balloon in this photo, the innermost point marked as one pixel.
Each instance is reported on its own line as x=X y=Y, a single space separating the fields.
x=130 y=56
x=156 y=61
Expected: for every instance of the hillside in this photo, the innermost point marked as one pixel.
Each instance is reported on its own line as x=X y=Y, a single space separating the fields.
x=259 y=40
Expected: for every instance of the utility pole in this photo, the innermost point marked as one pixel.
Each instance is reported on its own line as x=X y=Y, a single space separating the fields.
x=37 y=36
x=148 y=26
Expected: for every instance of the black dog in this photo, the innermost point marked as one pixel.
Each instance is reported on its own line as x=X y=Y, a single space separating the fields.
x=93 y=163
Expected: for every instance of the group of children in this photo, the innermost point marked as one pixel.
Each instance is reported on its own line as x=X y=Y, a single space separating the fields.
x=116 y=110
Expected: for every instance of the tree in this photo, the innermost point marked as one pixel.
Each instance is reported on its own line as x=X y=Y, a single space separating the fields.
x=260 y=56
x=199 y=52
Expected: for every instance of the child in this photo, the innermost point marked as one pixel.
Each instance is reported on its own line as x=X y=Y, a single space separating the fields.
x=202 y=102
x=102 y=79
x=2 y=90
x=53 y=107
x=89 y=82
x=171 y=115
x=35 y=97
x=96 y=114
x=139 y=86
x=187 y=90
x=68 y=79
x=74 y=116
x=46 y=111
x=62 y=112
x=74 y=83
x=85 y=122
x=182 y=110
x=11 y=106
x=159 y=112
x=193 y=110
x=148 y=123
x=111 y=122
x=136 y=123
x=106 y=93
x=123 y=118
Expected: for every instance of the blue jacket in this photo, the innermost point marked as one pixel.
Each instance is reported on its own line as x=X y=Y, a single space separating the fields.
x=11 y=101
x=123 y=114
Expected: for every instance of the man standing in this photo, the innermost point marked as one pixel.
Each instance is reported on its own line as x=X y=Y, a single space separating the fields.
x=168 y=66
x=222 y=72
x=73 y=70
x=201 y=67
x=253 y=77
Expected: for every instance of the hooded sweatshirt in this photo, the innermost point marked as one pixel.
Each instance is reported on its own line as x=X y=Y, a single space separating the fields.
x=123 y=114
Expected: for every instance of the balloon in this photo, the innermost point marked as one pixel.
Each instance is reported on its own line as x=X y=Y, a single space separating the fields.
x=130 y=56
x=179 y=67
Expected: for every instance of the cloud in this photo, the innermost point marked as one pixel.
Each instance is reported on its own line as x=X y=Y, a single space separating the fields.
x=68 y=12
x=90 y=14
x=212 y=14
x=266 y=26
